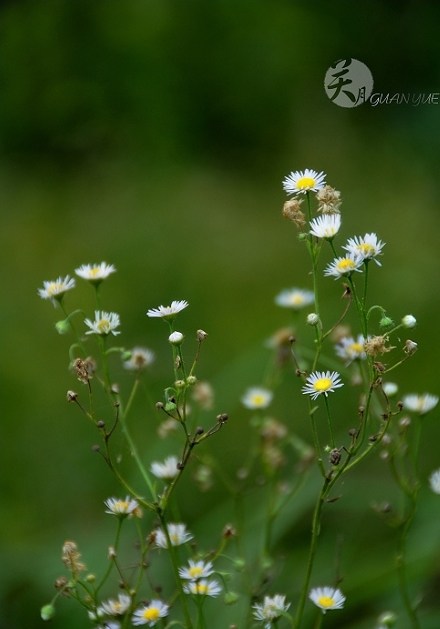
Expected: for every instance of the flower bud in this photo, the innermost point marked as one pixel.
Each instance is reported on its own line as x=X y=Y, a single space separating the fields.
x=386 y=322
x=230 y=598
x=62 y=327
x=175 y=338
x=47 y=612
x=390 y=388
x=409 y=321
x=312 y=319
x=191 y=380
x=410 y=347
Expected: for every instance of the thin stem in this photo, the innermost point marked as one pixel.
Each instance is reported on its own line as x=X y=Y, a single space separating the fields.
x=329 y=421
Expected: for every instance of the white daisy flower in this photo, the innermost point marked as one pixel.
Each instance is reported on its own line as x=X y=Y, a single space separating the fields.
x=326 y=226
x=117 y=607
x=420 y=404
x=168 y=312
x=351 y=349
x=118 y=506
x=295 y=298
x=344 y=265
x=321 y=382
x=150 y=614
x=270 y=609
x=300 y=182
x=141 y=358
x=110 y=624
x=327 y=598
x=178 y=535
x=166 y=470
x=197 y=570
x=95 y=272
x=409 y=321
x=257 y=397
x=368 y=247
x=203 y=588
x=434 y=481
x=55 y=290
x=104 y=323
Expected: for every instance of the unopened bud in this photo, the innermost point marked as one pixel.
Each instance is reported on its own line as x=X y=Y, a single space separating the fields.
x=409 y=321
x=201 y=335
x=47 y=612
x=71 y=396
x=386 y=322
x=410 y=347
x=230 y=598
x=191 y=380
x=175 y=338
x=312 y=319
x=62 y=327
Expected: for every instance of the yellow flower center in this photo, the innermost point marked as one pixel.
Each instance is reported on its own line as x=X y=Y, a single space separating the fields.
x=174 y=539
x=93 y=272
x=54 y=288
x=326 y=601
x=323 y=384
x=195 y=572
x=103 y=326
x=305 y=183
x=202 y=589
x=297 y=300
x=356 y=348
x=151 y=613
x=121 y=505
x=258 y=400
x=365 y=248
x=345 y=265
x=117 y=606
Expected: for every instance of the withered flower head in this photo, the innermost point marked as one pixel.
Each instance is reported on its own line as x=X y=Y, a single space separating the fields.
x=71 y=557
x=291 y=210
x=377 y=345
x=329 y=200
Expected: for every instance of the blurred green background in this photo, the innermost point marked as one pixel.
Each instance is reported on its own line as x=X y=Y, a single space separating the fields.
x=155 y=136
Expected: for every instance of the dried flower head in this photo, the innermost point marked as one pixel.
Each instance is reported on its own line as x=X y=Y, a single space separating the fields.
x=377 y=345
x=71 y=557
x=329 y=200
x=292 y=211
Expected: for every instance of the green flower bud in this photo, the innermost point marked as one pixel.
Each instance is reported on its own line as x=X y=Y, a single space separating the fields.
x=62 y=327
x=386 y=322
x=47 y=612
x=230 y=598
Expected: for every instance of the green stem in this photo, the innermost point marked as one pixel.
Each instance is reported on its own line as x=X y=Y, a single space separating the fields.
x=329 y=421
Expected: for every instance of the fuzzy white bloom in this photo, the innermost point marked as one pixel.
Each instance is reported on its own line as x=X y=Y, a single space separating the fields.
x=175 y=338
x=141 y=358
x=420 y=404
x=351 y=349
x=312 y=319
x=104 y=323
x=344 y=265
x=150 y=614
x=257 y=397
x=196 y=570
x=367 y=247
x=302 y=181
x=327 y=598
x=321 y=382
x=295 y=298
x=203 y=588
x=118 y=607
x=434 y=481
x=118 y=506
x=95 y=272
x=55 y=290
x=168 y=312
x=326 y=226
x=177 y=533
x=270 y=609
x=390 y=388
x=409 y=321
x=166 y=470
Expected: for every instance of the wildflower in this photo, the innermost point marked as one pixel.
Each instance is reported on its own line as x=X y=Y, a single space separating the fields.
x=329 y=200
x=367 y=248
x=351 y=349
x=420 y=404
x=110 y=624
x=409 y=321
x=313 y=319
x=321 y=382
x=55 y=290
x=295 y=298
x=140 y=358
x=150 y=614
x=390 y=388
x=95 y=273
x=175 y=338
x=270 y=609
x=327 y=598
x=291 y=210
x=166 y=470
x=104 y=323
x=257 y=397
x=177 y=533
x=203 y=588
x=434 y=481
x=326 y=226
x=300 y=182
x=197 y=570
x=117 y=607
x=376 y=345
x=168 y=312
x=203 y=394
x=344 y=265
x=121 y=507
